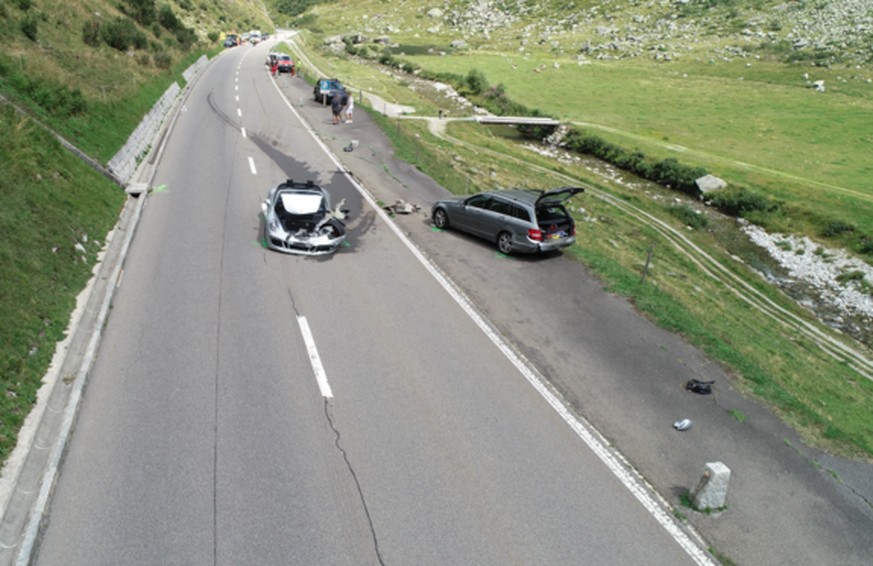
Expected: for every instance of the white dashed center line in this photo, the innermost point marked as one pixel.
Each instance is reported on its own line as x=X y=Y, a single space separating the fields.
x=314 y=359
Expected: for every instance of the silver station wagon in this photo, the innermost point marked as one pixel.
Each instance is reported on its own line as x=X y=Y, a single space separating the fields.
x=517 y=220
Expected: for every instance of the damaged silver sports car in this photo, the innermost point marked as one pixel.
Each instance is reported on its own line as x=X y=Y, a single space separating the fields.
x=298 y=219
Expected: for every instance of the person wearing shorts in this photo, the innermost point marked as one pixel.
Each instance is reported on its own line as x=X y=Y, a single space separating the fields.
x=350 y=108
x=336 y=106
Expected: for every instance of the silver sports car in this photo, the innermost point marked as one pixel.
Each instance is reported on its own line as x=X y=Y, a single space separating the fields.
x=298 y=219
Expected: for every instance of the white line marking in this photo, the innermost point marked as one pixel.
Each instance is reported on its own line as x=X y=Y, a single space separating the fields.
x=237 y=98
x=320 y=376
x=119 y=280
x=252 y=166
x=239 y=112
x=613 y=460
x=243 y=130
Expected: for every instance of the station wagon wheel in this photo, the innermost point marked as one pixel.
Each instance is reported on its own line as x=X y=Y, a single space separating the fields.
x=504 y=243
x=440 y=218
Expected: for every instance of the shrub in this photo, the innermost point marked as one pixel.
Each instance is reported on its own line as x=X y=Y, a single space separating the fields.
x=168 y=19
x=866 y=246
x=186 y=37
x=835 y=228
x=163 y=60
x=24 y=5
x=56 y=99
x=739 y=202
x=143 y=11
x=91 y=33
x=121 y=33
x=476 y=82
x=293 y=7
x=387 y=58
x=670 y=172
x=29 y=27
x=457 y=81
x=688 y=216
x=213 y=36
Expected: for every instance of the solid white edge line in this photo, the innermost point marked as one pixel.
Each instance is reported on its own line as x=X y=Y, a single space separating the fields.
x=314 y=359
x=625 y=473
x=252 y=166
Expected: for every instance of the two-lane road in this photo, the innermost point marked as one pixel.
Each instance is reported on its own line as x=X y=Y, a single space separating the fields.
x=249 y=407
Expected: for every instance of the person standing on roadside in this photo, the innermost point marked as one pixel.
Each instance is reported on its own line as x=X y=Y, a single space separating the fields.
x=336 y=106
x=350 y=109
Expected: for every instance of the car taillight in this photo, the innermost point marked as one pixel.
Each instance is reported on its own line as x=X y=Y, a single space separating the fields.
x=535 y=234
x=573 y=230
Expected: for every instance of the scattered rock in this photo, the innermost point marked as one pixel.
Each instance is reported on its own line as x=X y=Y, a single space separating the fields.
x=710 y=183
x=401 y=207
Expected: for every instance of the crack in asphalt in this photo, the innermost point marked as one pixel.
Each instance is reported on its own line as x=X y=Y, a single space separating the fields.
x=338 y=444
x=345 y=456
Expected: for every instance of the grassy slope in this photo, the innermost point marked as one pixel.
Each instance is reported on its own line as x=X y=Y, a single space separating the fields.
x=50 y=202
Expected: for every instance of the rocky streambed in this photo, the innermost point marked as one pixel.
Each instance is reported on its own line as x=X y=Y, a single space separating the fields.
x=837 y=287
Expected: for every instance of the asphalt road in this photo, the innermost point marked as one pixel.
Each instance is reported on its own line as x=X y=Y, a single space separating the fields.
x=205 y=437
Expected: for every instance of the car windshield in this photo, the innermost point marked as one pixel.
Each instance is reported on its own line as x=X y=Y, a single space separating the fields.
x=301 y=203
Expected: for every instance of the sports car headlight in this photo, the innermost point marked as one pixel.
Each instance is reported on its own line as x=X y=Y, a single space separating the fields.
x=274 y=225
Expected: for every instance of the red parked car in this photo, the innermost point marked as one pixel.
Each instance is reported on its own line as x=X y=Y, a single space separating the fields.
x=286 y=64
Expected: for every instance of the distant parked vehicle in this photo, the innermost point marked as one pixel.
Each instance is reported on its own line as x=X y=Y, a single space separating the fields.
x=325 y=89
x=286 y=64
x=517 y=220
x=231 y=40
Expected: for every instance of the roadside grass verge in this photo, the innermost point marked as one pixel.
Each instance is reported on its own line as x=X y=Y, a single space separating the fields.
x=55 y=212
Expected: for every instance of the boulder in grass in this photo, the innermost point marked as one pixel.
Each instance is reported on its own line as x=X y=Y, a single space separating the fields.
x=710 y=183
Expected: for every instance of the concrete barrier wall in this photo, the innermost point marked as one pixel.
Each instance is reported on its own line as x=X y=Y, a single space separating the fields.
x=124 y=163
x=196 y=68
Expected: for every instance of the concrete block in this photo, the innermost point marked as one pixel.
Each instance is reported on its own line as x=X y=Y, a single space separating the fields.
x=136 y=189
x=711 y=490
